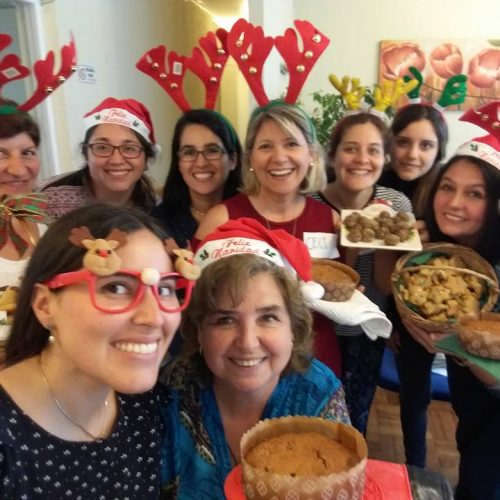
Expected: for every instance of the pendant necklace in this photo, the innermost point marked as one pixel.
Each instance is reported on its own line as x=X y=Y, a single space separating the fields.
x=198 y=212
x=64 y=412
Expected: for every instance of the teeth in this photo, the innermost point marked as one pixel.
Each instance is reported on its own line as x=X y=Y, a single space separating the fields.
x=359 y=172
x=118 y=173
x=137 y=348
x=203 y=175
x=281 y=172
x=247 y=362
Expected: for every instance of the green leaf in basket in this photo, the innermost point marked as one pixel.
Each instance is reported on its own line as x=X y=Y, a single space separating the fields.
x=421 y=258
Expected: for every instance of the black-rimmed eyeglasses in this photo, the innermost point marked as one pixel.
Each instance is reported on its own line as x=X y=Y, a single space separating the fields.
x=210 y=153
x=103 y=150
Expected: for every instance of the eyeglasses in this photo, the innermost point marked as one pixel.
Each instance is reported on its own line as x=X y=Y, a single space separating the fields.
x=103 y=150
x=210 y=153
x=122 y=291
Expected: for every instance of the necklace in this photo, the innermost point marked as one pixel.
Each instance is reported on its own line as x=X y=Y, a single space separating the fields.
x=294 y=227
x=199 y=212
x=61 y=408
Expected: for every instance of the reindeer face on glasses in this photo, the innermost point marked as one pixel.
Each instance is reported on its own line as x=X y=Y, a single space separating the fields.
x=101 y=257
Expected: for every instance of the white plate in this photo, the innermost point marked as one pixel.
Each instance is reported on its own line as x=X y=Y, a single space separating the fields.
x=371 y=211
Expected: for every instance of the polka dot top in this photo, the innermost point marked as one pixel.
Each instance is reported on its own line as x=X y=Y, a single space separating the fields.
x=34 y=464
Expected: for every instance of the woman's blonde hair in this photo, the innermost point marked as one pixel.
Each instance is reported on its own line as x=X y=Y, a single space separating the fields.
x=286 y=116
x=232 y=274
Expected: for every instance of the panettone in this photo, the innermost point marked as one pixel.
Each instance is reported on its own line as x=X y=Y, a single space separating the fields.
x=338 y=280
x=481 y=336
x=303 y=458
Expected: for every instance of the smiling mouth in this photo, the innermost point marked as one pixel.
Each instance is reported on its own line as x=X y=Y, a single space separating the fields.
x=453 y=218
x=117 y=173
x=281 y=172
x=136 y=348
x=202 y=176
x=359 y=173
x=247 y=363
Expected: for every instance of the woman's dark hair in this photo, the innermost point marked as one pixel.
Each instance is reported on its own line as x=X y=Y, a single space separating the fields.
x=55 y=254
x=345 y=124
x=176 y=192
x=487 y=246
x=414 y=113
x=18 y=122
x=143 y=195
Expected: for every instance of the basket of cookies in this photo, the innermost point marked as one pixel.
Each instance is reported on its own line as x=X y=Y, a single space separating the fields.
x=438 y=286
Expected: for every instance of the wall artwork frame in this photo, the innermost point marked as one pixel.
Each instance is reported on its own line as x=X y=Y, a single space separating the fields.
x=438 y=60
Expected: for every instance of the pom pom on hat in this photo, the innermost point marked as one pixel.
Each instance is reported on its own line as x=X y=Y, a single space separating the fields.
x=486 y=148
x=127 y=112
x=246 y=235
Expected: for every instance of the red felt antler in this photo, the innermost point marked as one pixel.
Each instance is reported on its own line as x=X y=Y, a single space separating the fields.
x=152 y=63
x=210 y=74
x=47 y=81
x=486 y=117
x=300 y=63
x=250 y=48
x=10 y=67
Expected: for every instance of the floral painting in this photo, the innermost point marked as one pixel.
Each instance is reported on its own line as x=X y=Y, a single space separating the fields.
x=439 y=60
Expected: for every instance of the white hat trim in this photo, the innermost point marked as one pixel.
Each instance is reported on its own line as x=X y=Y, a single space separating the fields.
x=118 y=116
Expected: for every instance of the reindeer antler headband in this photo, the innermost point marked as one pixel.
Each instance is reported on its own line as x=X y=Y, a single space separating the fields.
x=47 y=81
x=250 y=49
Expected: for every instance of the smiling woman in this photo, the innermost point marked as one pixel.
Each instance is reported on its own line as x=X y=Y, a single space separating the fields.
x=98 y=308
x=205 y=168
x=119 y=141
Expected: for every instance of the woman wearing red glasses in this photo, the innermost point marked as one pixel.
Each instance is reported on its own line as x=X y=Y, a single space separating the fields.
x=98 y=308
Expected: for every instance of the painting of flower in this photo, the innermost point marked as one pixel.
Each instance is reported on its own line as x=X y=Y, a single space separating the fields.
x=439 y=60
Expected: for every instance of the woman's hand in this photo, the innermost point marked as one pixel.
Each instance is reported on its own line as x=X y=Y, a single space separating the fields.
x=421 y=227
x=424 y=338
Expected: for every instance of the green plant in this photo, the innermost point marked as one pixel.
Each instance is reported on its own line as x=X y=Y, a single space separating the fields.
x=329 y=110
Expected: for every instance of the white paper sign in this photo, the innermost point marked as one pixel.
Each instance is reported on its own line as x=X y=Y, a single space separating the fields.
x=322 y=245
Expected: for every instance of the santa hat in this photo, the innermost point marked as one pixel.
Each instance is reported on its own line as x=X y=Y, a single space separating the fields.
x=486 y=148
x=127 y=112
x=247 y=236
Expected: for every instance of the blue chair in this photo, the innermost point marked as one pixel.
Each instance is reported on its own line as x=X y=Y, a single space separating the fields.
x=389 y=379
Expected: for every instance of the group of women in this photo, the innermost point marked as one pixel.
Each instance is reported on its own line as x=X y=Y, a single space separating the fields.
x=79 y=394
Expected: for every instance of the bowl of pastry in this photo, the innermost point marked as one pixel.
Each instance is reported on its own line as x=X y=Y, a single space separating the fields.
x=303 y=458
x=443 y=284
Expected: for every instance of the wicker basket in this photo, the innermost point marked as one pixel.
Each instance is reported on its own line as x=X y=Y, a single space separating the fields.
x=476 y=266
x=340 y=284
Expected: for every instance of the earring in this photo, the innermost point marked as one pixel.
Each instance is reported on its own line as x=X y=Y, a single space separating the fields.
x=200 y=350
x=311 y=164
x=251 y=170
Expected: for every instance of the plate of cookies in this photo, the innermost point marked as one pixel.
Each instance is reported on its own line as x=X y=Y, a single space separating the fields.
x=381 y=227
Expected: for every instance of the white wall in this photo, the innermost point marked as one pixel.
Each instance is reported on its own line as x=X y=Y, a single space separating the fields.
x=356 y=27
x=111 y=36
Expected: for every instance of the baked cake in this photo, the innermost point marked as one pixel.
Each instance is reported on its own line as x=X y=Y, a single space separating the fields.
x=304 y=454
x=303 y=458
x=338 y=280
x=481 y=336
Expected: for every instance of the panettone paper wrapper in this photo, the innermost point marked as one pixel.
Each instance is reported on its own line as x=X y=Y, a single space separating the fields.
x=261 y=485
x=452 y=345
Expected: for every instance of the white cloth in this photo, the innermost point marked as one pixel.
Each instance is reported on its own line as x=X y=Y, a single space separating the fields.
x=358 y=310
